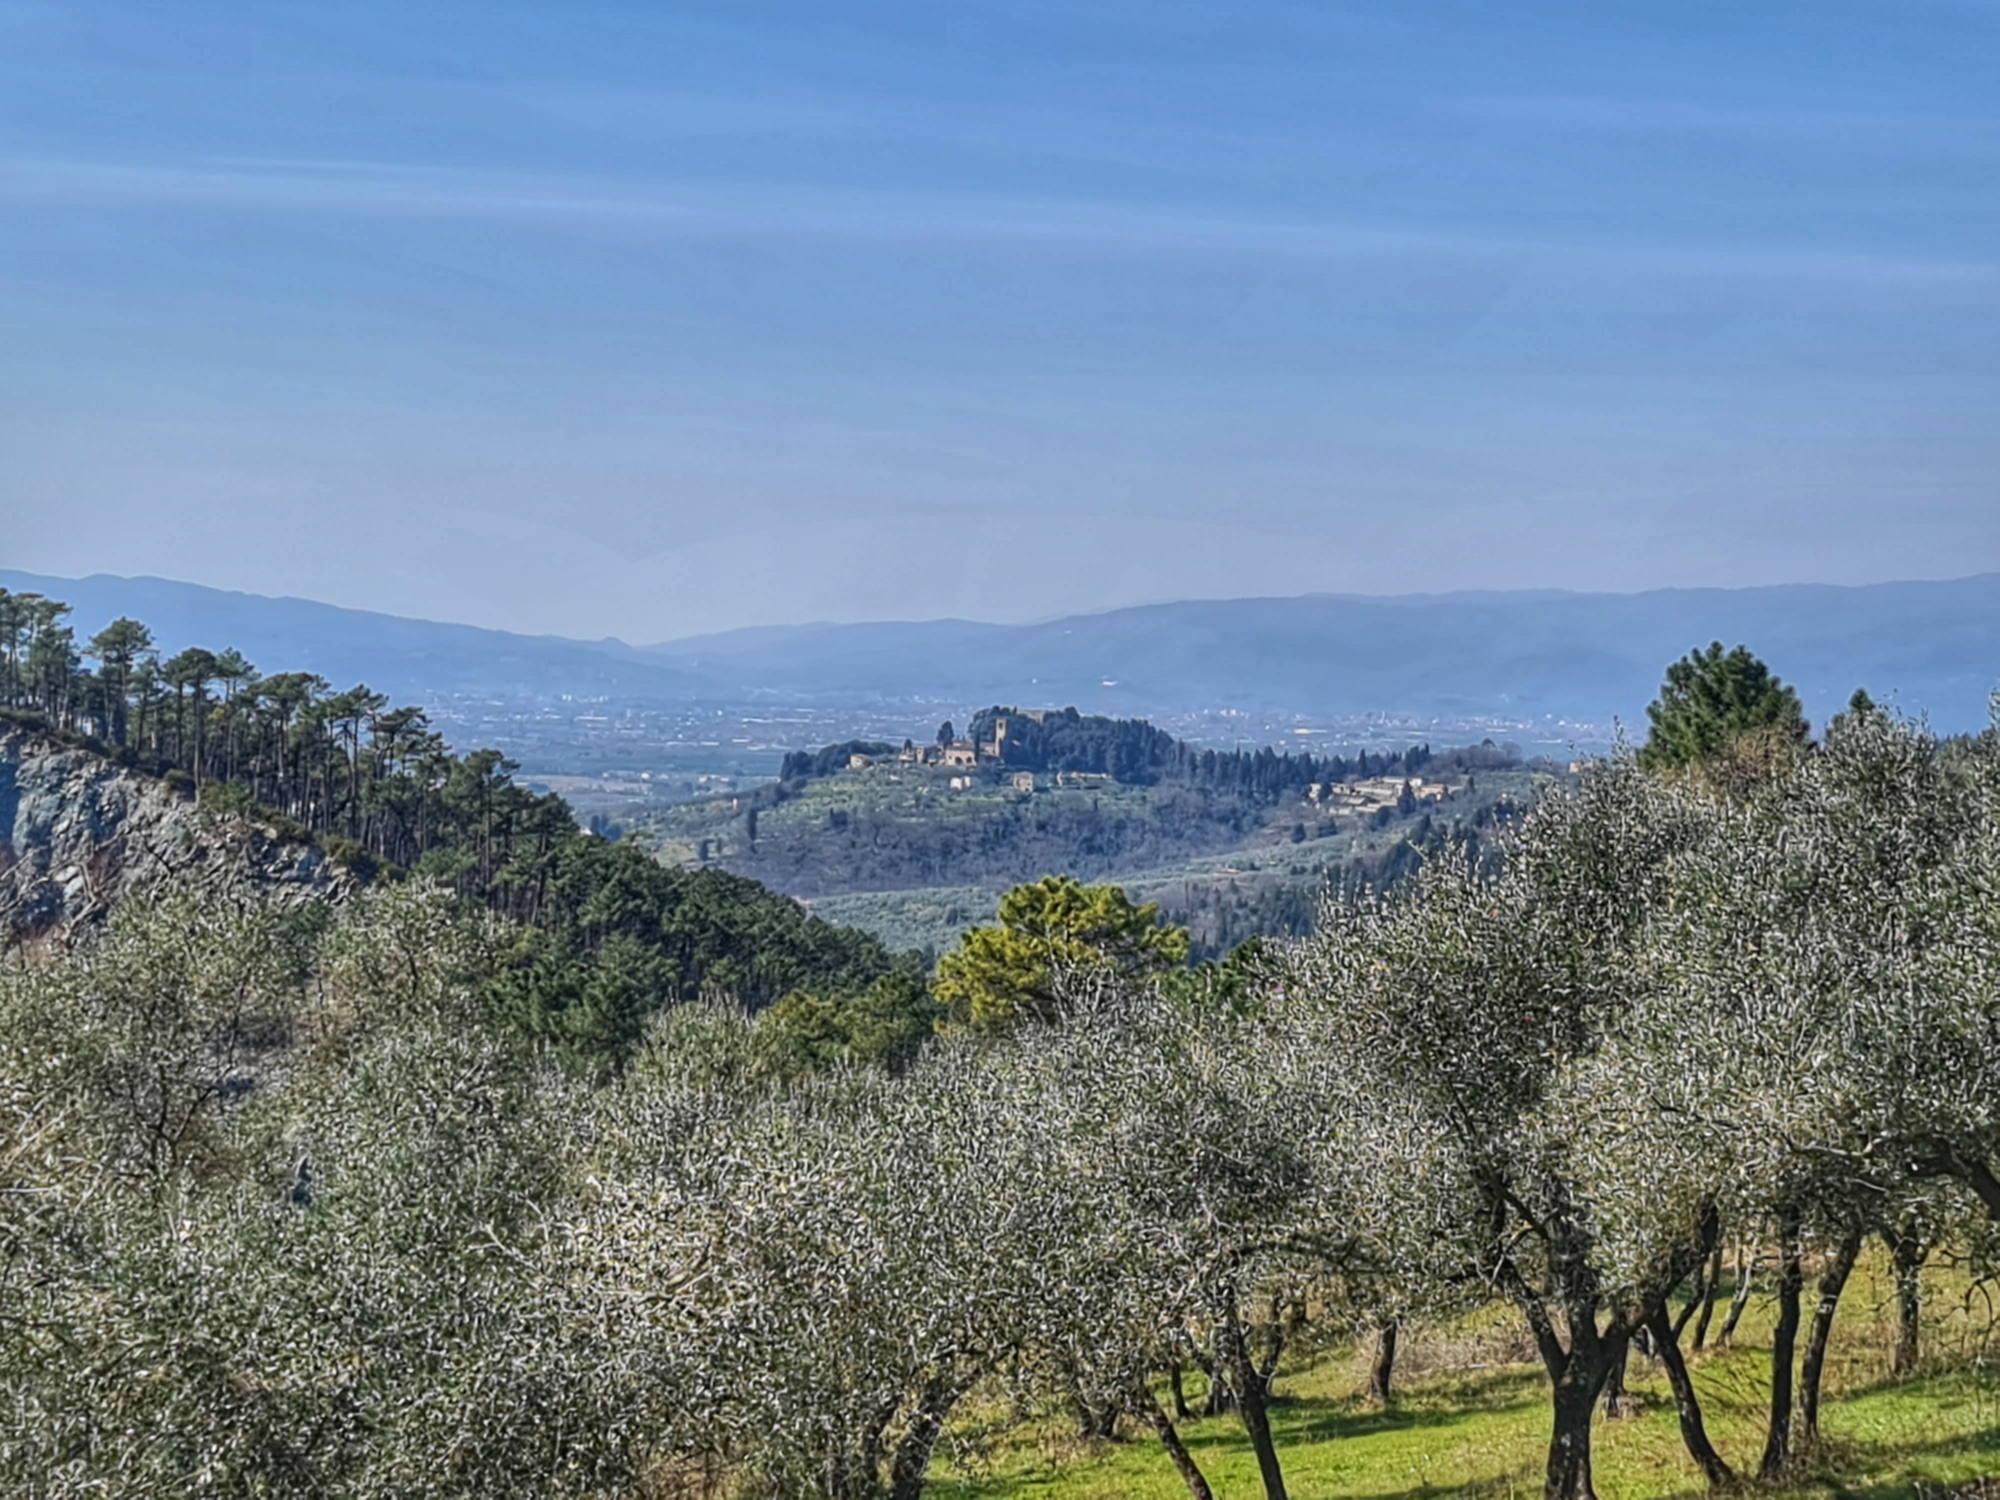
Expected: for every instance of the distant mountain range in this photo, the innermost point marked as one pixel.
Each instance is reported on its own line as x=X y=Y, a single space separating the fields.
x=409 y=659
x=1931 y=647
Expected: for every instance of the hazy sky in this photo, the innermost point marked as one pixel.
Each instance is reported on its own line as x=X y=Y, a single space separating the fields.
x=660 y=317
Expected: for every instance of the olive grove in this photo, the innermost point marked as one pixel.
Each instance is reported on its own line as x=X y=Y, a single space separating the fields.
x=283 y=1209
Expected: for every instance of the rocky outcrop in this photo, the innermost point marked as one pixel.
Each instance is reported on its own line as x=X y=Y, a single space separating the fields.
x=78 y=833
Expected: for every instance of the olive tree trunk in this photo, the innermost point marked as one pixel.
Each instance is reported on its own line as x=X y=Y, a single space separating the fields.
x=1784 y=1344
x=912 y=1460
x=1252 y=1386
x=1577 y=1391
x=1155 y=1416
x=1907 y=1250
x=1711 y=1283
x=1615 y=1400
x=1382 y=1369
x=1746 y=1273
x=1832 y=1282
x=1687 y=1405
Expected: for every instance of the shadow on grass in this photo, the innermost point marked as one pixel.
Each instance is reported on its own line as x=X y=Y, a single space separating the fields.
x=1838 y=1471
x=1937 y=1383
x=1839 y=1456
x=1834 y=1476
x=1440 y=1404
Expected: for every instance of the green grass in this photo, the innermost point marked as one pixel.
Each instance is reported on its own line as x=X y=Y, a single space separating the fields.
x=1483 y=1432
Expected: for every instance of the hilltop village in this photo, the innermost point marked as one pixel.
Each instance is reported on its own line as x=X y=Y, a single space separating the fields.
x=1006 y=738
x=967 y=756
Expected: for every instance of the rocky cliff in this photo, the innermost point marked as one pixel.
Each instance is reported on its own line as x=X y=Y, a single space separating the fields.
x=78 y=833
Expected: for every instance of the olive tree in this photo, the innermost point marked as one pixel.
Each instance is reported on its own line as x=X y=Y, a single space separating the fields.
x=119 y=1067
x=272 y=1225
x=1819 y=1000
x=831 y=1266
x=1471 y=1008
x=1178 y=1149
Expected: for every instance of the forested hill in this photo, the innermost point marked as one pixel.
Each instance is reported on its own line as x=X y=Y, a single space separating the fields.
x=1097 y=799
x=605 y=935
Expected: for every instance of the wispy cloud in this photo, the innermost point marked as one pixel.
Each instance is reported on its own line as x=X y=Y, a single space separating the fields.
x=1763 y=120
x=688 y=209
x=697 y=210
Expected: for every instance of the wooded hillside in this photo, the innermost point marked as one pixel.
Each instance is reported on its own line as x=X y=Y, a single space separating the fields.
x=605 y=935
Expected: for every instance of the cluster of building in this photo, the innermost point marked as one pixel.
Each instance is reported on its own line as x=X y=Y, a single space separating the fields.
x=1374 y=793
x=966 y=755
x=957 y=755
x=1020 y=781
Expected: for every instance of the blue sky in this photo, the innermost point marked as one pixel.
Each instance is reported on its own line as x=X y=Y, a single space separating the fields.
x=653 y=319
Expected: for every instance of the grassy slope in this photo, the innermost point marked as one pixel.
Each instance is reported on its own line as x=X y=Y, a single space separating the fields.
x=1483 y=1432
x=801 y=854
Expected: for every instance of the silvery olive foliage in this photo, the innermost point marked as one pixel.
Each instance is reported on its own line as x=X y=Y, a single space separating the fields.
x=820 y=1275
x=1675 y=1006
x=261 y=1232
x=280 y=1212
x=1827 y=992
x=1469 y=1012
x=837 y=1287
x=1175 y=1141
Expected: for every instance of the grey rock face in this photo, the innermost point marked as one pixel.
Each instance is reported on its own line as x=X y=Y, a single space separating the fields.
x=78 y=833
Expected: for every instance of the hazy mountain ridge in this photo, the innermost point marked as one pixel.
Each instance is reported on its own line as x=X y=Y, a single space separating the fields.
x=1931 y=647
x=407 y=658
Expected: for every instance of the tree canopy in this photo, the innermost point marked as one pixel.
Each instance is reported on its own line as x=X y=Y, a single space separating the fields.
x=1011 y=970
x=1713 y=698
x=290 y=1202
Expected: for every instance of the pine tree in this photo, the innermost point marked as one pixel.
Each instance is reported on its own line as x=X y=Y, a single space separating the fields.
x=1710 y=700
